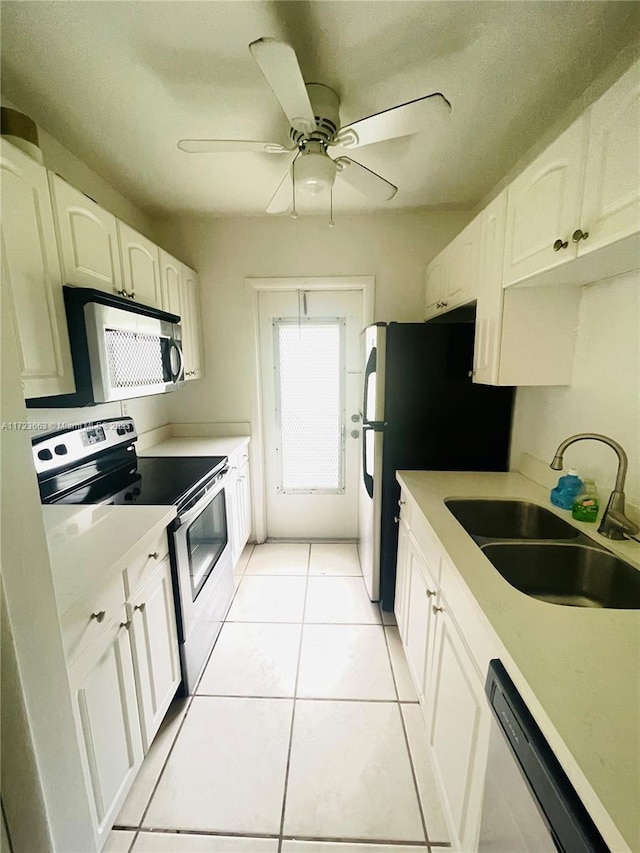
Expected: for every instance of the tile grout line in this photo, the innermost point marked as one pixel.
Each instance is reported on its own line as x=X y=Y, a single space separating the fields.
x=293 y=710
x=406 y=741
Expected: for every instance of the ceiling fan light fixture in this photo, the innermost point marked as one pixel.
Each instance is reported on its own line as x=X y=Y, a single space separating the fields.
x=314 y=172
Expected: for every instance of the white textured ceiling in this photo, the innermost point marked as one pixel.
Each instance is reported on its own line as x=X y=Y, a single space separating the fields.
x=120 y=82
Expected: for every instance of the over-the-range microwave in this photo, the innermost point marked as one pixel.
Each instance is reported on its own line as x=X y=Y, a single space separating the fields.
x=119 y=349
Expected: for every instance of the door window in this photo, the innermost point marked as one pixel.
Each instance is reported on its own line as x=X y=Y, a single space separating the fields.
x=310 y=404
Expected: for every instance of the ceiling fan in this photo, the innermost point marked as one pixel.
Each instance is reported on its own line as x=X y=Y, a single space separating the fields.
x=313 y=112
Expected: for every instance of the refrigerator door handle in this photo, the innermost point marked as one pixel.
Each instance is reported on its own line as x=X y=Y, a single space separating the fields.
x=366 y=476
x=369 y=369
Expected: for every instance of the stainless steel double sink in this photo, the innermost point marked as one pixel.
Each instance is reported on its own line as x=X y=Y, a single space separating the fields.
x=545 y=557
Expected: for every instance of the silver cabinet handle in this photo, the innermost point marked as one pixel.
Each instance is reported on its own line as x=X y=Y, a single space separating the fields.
x=559 y=244
x=396 y=519
x=154 y=556
x=99 y=616
x=431 y=593
x=437 y=609
x=126 y=624
x=579 y=235
x=140 y=607
x=401 y=502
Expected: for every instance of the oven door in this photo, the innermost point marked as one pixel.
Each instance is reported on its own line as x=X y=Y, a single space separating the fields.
x=203 y=578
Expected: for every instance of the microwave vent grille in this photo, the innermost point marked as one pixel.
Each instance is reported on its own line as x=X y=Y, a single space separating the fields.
x=134 y=365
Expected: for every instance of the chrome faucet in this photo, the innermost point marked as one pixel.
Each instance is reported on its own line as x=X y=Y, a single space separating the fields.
x=614 y=523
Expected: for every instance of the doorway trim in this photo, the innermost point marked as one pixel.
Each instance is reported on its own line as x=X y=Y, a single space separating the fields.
x=253 y=287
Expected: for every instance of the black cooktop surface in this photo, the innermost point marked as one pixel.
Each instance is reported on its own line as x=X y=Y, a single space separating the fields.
x=146 y=481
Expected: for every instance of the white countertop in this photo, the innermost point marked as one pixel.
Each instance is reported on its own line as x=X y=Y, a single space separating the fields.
x=582 y=664
x=201 y=446
x=89 y=543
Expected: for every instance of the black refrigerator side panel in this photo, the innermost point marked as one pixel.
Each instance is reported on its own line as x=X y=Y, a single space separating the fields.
x=437 y=419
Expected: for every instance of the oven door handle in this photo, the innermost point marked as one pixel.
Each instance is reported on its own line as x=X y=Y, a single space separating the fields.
x=191 y=514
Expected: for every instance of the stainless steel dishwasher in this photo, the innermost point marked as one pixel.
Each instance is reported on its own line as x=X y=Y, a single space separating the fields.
x=529 y=806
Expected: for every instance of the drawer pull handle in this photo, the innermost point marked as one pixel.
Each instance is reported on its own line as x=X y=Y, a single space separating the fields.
x=154 y=556
x=99 y=616
x=140 y=607
x=559 y=244
x=579 y=235
x=431 y=593
x=396 y=519
x=126 y=624
x=437 y=609
x=401 y=503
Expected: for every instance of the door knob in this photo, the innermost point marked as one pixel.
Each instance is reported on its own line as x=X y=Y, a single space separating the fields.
x=355 y=418
x=579 y=235
x=559 y=245
x=355 y=433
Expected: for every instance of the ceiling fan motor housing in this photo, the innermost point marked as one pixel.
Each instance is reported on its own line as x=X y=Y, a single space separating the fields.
x=326 y=111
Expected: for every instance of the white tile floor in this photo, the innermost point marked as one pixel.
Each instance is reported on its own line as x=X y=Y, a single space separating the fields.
x=304 y=735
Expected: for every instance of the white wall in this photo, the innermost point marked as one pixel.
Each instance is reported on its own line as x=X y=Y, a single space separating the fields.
x=395 y=247
x=604 y=395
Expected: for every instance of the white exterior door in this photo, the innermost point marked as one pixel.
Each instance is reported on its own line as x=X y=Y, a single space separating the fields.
x=310 y=377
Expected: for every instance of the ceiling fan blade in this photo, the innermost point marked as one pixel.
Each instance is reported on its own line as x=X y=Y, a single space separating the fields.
x=364 y=180
x=279 y=64
x=402 y=120
x=231 y=146
x=282 y=198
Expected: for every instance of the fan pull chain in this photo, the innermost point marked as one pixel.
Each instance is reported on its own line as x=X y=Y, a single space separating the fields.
x=332 y=224
x=294 y=212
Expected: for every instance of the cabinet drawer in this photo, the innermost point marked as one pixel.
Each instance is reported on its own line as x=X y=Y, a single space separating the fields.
x=151 y=554
x=87 y=619
x=426 y=541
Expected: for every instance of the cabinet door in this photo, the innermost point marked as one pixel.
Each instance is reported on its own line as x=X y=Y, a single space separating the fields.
x=402 y=573
x=31 y=272
x=170 y=283
x=87 y=238
x=611 y=205
x=140 y=266
x=192 y=326
x=421 y=591
x=458 y=718
x=155 y=647
x=244 y=505
x=486 y=353
x=543 y=207
x=435 y=280
x=462 y=253
x=106 y=713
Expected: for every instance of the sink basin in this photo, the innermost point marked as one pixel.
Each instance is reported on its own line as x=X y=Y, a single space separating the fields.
x=501 y=519
x=574 y=575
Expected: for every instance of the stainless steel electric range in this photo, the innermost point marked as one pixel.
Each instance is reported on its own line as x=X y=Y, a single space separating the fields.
x=96 y=463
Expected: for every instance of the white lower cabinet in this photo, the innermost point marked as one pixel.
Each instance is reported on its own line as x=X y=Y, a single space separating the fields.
x=106 y=712
x=421 y=588
x=458 y=719
x=446 y=675
x=124 y=670
x=155 y=651
x=238 y=496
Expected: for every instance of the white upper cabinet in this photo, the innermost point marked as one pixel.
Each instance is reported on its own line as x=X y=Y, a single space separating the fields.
x=611 y=203
x=171 y=288
x=87 y=238
x=140 y=267
x=463 y=266
x=543 y=208
x=450 y=278
x=192 y=324
x=31 y=272
x=435 y=282
x=486 y=354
